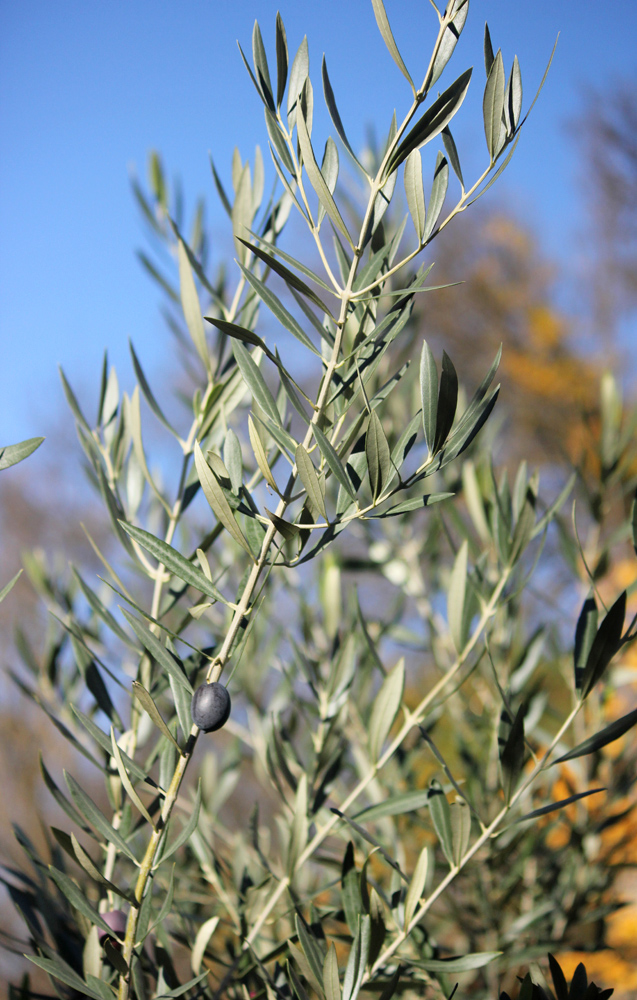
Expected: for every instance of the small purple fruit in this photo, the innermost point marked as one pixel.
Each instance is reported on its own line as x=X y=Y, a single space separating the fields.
x=210 y=707
x=116 y=920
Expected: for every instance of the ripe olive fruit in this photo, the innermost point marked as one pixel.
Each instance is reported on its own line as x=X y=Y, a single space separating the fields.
x=210 y=708
x=116 y=920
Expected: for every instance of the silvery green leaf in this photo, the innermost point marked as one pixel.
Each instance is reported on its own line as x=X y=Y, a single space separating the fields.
x=9 y=586
x=406 y=441
x=449 y=39
x=493 y=107
x=395 y=805
x=174 y=562
x=310 y=480
x=457 y=599
x=281 y=59
x=188 y=829
x=317 y=180
x=383 y=26
x=461 y=829
x=329 y=171
x=414 y=504
x=331 y=979
x=167 y=661
x=335 y=116
x=202 y=939
x=333 y=461
x=466 y=963
x=488 y=50
x=77 y=898
x=554 y=806
x=513 y=97
x=362 y=832
x=313 y=953
x=127 y=783
x=217 y=499
x=11 y=454
x=428 y=394
x=385 y=709
x=298 y=832
x=180 y=990
x=512 y=754
x=298 y=75
x=275 y=305
x=351 y=889
x=84 y=803
x=256 y=383
x=223 y=197
x=261 y=70
x=441 y=817
x=290 y=279
x=278 y=142
x=149 y=706
x=447 y=402
x=452 y=153
x=273 y=251
x=416 y=886
x=433 y=120
x=233 y=460
x=148 y=393
x=190 y=305
x=357 y=961
x=378 y=456
x=59 y=970
x=605 y=645
x=415 y=192
x=242 y=212
x=437 y=195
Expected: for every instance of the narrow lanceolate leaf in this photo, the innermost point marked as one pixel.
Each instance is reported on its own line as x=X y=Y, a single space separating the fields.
x=298 y=75
x=238 y=332
x=333 y=461
x=447 y=402
x=440 y=812
x=10 y=585
x=298 y=832
x=449 y=39
x=351 y=889
x=334 y=113
x=288 y=276
x=584 y=637
x=331 y=979
x=513 y=97
x=11 y=454
x=493 y=107
x=84 y=803
x=190 y=305
x=416 y=886
x=395 y=805
x=329 y=172
x=275 y=305
x=188 y=830
x=357 y=961
x=460 y=828
x=310 y=480
x=554 y=806
x=414 y=504
x=164 y=659
x=73 y=847
x=174 y=562
x=77 y=898
x=204 y=934
x=256 y=383
x=281 y=63
x=512 y=755
x=59 y=970
x=261 y=66
x=385 y=709
x=437 y=196
x=260 y=455
x=383 y=26
x=126 y=782
x=378 y=455
x=433 y=121
x=476 y=960
x=415 y=192
x=149 y=706
x=488 y=50
x=217 y=500
x=457 y=598
x=317 y=180
x=452 y=153
x=428 y=394
x=312 y=953
x=603 y=738
x=605 y=645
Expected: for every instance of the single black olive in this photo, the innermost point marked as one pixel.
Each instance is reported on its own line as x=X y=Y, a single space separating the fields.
x=210 y=708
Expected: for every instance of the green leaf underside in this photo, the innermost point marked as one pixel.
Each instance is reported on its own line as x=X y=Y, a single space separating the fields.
x=174 y=561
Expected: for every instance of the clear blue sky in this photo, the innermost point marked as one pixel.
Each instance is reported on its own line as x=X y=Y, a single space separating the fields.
x=87 y=87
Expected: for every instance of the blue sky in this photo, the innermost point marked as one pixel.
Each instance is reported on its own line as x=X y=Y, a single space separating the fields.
x=87 y=88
